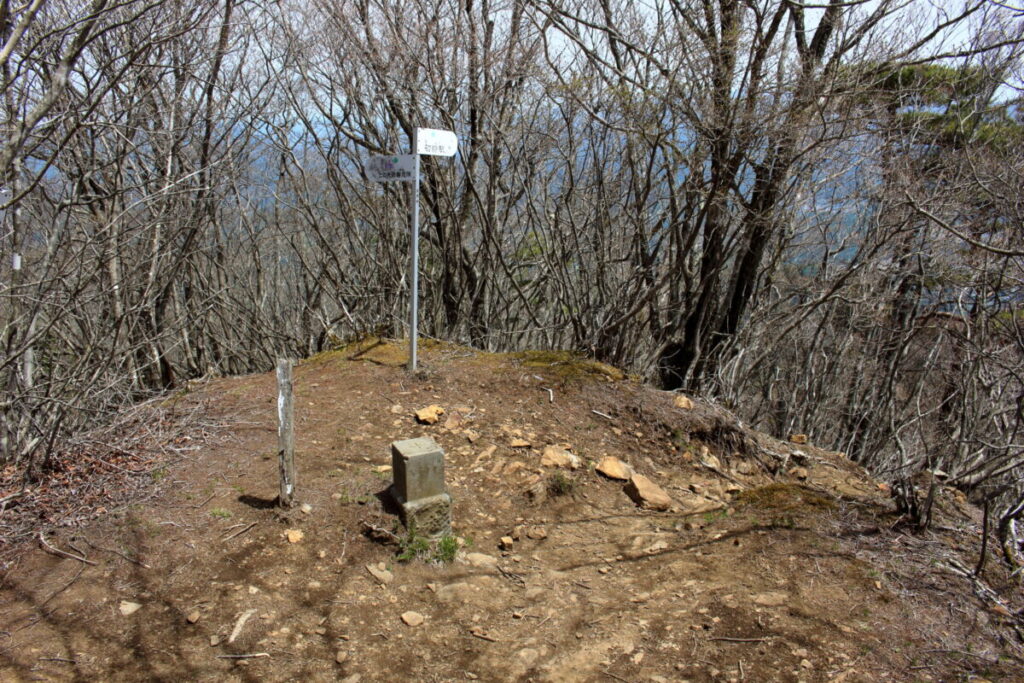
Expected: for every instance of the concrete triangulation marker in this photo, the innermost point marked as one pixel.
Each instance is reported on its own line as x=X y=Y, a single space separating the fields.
x=418 y=468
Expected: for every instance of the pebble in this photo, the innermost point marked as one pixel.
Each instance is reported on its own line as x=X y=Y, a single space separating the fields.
x=481 y=560
x=383 y=576
x=127 y=607
x=412 y=618
x=771 y=599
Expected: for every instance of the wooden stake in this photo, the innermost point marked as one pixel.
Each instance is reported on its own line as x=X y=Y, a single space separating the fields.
x=286 y=433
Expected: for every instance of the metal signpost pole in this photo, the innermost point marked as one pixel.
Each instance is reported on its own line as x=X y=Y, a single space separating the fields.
x=403 y=168
x=414 y=275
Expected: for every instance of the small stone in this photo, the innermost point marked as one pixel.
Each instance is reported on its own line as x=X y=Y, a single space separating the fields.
x=306 y=508
x=397 y=409
x=613 y=468
x=430 y=415
x=128 y=608
x=481 y=560
x=412 y=618
x=505 y=543
x=709 y=459
x=799 y=472
x=383 y=576
x=537 y=533
x=798 y=438
x=771 y=599
x=193 y=616
x=745 y=467
x=646 y=493
x=683 y=402
x=471 y=435
x=341 y=656
x=294 y=535
x=554 y=456
x=655 y=547
x=517 y=442
x=214 y=640
x=806 y=664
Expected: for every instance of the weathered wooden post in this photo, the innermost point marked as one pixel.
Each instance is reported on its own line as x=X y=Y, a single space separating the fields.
x=285 y=433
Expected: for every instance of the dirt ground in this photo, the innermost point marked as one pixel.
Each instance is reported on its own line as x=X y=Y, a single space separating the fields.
x=776 y=562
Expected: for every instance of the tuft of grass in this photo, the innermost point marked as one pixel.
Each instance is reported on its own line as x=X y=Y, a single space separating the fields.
x=560 y=484
x=447 y=548
x=567 y=365
x=220 y=513
x=712 y=515
x=415 y=547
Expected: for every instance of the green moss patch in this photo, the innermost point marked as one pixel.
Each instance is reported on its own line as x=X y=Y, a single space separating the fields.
x=780 y=496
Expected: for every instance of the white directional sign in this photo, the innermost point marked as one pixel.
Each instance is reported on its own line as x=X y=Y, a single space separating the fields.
x=440 y=143
x=394 y=167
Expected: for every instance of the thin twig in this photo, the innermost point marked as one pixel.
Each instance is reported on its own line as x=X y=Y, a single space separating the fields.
x=246 y=656
x=196 y=507
x=483 y=636
x=240 y=624
x=117 y=552
x=240 y=532
x=598 y=412
x=62 y=588
x=13 y=496
x=618 y=678
x=380 y=530
x=58 y=551
x=741 y=640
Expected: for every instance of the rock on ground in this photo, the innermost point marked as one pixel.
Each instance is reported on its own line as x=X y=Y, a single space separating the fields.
x=646 y=493
x=613 y=468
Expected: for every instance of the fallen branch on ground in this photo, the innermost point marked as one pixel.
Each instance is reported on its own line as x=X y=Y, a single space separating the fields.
x=61 y=553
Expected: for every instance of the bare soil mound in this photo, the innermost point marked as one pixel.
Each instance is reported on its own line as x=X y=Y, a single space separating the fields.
x=773 y=561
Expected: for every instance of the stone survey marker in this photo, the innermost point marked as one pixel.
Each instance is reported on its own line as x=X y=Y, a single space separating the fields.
x=418 y=468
